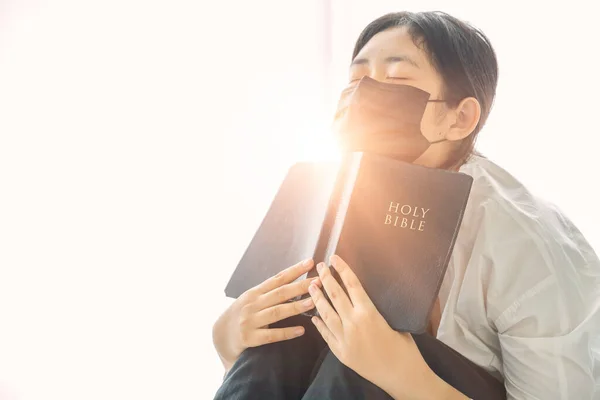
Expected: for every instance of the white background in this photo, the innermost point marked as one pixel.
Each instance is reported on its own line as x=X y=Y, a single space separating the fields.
x=141 y=142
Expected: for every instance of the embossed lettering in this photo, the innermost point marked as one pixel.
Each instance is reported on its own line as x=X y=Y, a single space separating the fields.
x=411 y=217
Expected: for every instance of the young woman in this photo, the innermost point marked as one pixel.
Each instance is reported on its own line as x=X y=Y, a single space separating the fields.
x=518 y=311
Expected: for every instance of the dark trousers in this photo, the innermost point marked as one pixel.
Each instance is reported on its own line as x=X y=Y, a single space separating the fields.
x=304 y=368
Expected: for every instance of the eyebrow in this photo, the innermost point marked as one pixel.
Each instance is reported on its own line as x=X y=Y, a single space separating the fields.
x=388 y=60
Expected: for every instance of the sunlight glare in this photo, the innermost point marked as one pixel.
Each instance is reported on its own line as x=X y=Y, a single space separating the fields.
x=318 y=146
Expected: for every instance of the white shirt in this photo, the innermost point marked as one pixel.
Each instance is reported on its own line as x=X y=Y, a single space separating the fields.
x=521 y=297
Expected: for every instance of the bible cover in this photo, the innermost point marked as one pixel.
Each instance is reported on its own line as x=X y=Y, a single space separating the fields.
x=394 y=223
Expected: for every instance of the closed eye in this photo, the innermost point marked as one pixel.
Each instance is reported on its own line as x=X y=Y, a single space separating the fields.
x=397 y=78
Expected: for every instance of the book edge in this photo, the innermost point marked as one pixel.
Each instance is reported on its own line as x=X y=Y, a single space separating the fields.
x=450 y=251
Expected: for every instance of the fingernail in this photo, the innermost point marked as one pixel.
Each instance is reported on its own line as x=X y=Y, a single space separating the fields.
x=299 y=331
x=320 y=267
x=312 y=288
x=316 y=281
x=308 y=303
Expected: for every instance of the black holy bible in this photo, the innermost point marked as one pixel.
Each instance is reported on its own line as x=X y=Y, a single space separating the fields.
x=394 y=223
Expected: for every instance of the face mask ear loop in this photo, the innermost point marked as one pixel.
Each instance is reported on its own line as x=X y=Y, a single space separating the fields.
x=442 y=139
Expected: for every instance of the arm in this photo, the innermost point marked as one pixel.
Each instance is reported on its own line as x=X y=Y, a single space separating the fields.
x=432 y=388
x=549 y=357
x=245 y=323
x=543 y=301
x=361 y=339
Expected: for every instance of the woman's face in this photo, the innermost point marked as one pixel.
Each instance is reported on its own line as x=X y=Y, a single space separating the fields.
x=391 y=56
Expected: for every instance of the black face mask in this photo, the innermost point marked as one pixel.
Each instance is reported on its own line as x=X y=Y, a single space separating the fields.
x=383 y=118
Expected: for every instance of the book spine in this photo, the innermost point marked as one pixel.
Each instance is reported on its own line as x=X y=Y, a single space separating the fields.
x=323 y=241
x=343 y=204
x=335 y=215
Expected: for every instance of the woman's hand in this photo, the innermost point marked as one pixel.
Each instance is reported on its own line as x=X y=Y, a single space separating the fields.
x=361 y=339
x=245 y=323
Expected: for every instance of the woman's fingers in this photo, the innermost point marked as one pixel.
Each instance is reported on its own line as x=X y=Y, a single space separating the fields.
x=353 y=286
x=325 y=332
x=265 y=336
x=286 y=276
x=283 y=293
x=277 y=313
x=327 y=313
x=338 y=297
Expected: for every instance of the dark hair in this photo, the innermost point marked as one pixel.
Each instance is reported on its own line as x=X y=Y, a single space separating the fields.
x=459 y=52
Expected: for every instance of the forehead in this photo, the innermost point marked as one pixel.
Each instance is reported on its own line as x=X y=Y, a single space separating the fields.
x=394 y=42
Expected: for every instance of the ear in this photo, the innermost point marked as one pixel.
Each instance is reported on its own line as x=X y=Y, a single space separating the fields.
x=466 y=117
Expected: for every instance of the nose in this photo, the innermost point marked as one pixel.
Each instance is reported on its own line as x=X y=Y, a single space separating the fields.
x=378 y=74
x=376 y=71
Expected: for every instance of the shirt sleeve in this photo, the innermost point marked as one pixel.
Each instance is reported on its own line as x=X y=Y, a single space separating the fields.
x=547 y=314
x=545 y=366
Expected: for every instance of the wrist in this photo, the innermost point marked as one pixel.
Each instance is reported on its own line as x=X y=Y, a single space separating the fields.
x=226 y=355
x=436 y=388
x=226 y=365
x=427 y=386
